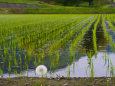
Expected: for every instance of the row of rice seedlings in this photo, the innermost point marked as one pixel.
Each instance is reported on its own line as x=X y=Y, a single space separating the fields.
x=111 y=17
x=60 y=43
x=94 y=34
x=40 y=39
x=18 y=28
x=55 y=50
x=14 y=30
x=6 y=25
x=46 y=35
x=110 y=23
x=112 y=44
x=51 y=59
x=10 y=27
x=109 y=38
x=104 y=27
x=79 y=38
x=89 y=55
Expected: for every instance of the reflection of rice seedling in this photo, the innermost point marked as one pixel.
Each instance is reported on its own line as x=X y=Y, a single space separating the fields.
x=89 y=54
x=1 y=72
x=92 y=70
x=9 y=68
x=68 y=72
x=41 y=70
x=111 y=69
x=35 y=61
x=57 y=54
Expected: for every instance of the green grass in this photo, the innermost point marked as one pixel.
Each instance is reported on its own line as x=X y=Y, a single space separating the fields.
x=51 y=9
x=70 y=10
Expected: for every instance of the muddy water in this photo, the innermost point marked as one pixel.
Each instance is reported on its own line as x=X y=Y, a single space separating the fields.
x=84 y=64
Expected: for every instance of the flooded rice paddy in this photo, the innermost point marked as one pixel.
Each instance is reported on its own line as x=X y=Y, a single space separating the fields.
x=69 y=45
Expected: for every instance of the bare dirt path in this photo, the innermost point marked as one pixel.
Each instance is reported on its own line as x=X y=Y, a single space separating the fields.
x=8 y=5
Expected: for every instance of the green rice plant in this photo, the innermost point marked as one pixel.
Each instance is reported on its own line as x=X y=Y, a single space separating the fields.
x=109 y=38
x=111 y=69
x=94 y=34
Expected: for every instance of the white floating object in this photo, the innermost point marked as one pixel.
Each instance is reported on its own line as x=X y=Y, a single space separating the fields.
x=41 y=70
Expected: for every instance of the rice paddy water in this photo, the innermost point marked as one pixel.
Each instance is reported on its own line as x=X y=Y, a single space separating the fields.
x=69 y=45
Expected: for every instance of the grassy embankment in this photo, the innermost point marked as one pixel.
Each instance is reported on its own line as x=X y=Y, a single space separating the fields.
x=44 y=8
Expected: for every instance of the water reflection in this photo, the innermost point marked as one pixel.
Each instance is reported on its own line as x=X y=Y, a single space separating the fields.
x=81 y=68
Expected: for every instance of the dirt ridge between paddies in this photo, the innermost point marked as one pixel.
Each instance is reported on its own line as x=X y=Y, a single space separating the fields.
x=60 y=81
x=10 y=5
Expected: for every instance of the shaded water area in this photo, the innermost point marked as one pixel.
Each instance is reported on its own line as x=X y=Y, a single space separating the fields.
x=85 y=63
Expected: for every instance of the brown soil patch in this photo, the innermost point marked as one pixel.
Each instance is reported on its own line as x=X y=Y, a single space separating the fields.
x=8 y=5
x=29 y=81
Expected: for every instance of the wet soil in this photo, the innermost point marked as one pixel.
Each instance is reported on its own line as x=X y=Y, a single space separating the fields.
x=29 y=81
